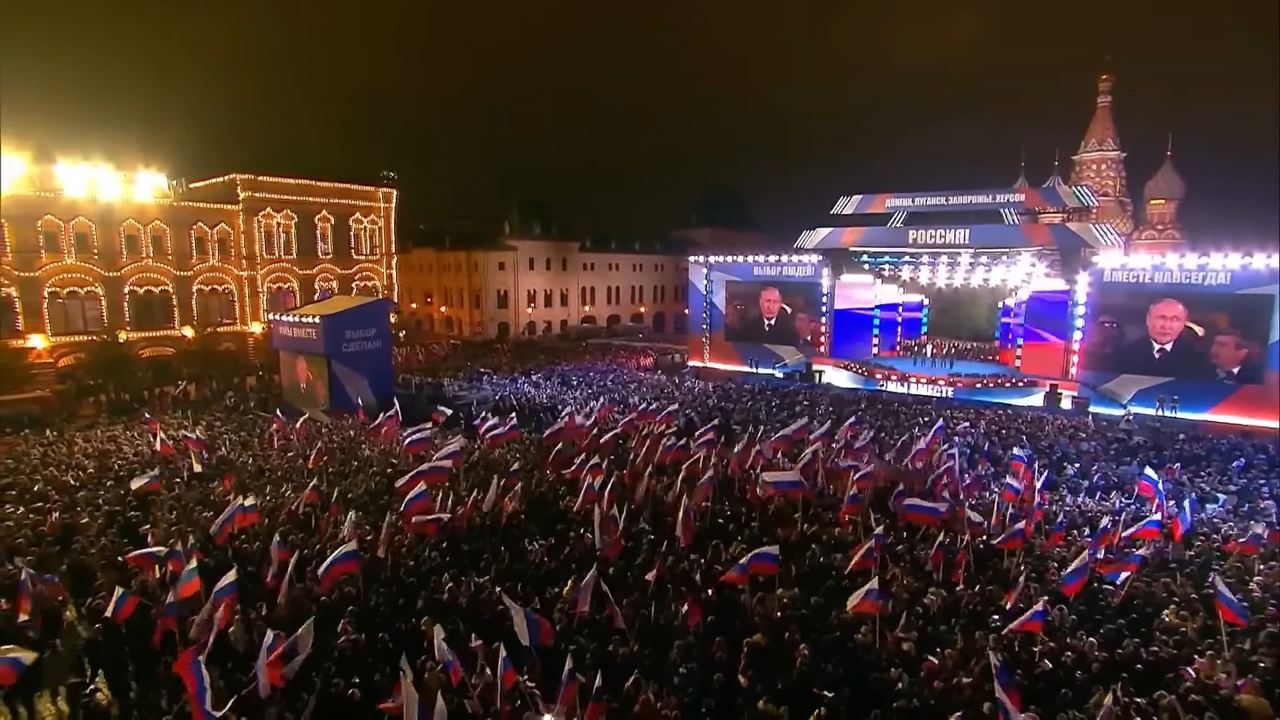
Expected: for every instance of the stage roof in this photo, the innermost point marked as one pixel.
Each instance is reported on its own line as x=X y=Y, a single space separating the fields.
x=1027 y=236
x=1053 y=197
x=329 y=306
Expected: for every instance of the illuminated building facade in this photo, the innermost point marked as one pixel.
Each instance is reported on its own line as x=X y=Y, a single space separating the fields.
x=88 y=252
x=527 y=285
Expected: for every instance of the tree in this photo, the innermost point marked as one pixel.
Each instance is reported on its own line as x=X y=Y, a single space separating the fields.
x=16 y=369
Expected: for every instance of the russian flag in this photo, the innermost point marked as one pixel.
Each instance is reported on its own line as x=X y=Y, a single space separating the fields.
x=343 y=562
x=146 y=483
x=430 y=473
x=247 y=514
x=567 y=698
x=564 y=430
x=1011 y=597
x=225 y=524
x=507 y=677
x=150 y=423
x=1054 y=537
x=823 y=435
x=1013 y=538
x=1118 y=570
x=170 y=613
x=418 y=502
x=1149 y=483
x=1008 y=701
x=762 y=561
x=1031 y=621
x=1182 y=522
x=195 y=443
x=853 y=505
x=280 y=555
x=668 y=416
x=446 y=658
x=428 y=525
x=532 y=629
x=868 y=553
x=441 y=414
x=507 y=433
x=1011 y=490
x=868 y=599
x=312 y=495
x=189 y=585
x=1149 y=529
x=121 y=606
x=922 y=512
x=790 y=435
x=148 y=559
x=14 y=661
x=1017 y=463
x=783 y=483
x=453 y=453
x=163 y=446
x=1076 y=575
x=227 y=590
x=597 y=706
x=1230 y=609
x=974 y=524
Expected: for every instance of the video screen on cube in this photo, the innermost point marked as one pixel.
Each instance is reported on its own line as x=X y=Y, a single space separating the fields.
x=1182 y=335
x=773 y=313
x=305 y=380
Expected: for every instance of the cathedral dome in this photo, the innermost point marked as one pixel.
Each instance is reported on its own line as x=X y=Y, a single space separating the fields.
x=1166 y=184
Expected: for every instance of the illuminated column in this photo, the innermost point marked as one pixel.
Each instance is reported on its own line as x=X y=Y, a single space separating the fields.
x=924 y=322
x=1080 y=305
x=875 y=331
x=1019 y=311
x=826 y=308
x=707 y=299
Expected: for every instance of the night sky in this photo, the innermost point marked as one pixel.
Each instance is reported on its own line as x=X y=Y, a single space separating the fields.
x=620 y=120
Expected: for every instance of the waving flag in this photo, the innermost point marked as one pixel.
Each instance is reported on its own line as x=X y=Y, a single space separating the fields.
x=762 y=561
x=283 y=657
x=189 y=585
x=922 y=512
x=1149 y=483
x=1008 y=701
x=1149 y=529
x=1011 y=490
x=854 y=504
x=784 y=483
x=1076 y=575
x=597 y=705
x=194 y=443
x=788 y=436
x=419 y=443
x=868 y=599
x=1182 y=522
x=867 y=556
x=446 y=658
x=567 y=698
x=417 y=502
x=506 y=433
x=1119 y=570
x=453 y=453
x=343 y=562
x=121 y=606
x=532 y=629
x=1053 y=537
x=14 y=661
x=435 y=472
x=148 y=559
x=1011 y=597
x=1032 y=621
x=227 y=590
x=430 y=526
x=1230 y=610
x=1013 y=538
x=150 y=482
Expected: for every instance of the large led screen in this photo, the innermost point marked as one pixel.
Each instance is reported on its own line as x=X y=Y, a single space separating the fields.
x=766 y=315
x=1202 y=330
x=304 y=380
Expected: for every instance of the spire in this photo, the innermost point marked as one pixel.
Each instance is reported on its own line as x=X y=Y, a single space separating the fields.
x=1021 y=182
x=1055 y=179
x=1101 y=135
x=1166 y=184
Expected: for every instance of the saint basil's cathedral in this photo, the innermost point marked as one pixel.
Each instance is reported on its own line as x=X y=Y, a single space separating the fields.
x=1099 y=165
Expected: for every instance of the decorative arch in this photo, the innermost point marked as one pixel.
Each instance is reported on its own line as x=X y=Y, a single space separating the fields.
x=156 y=351
x=68 y=360
x=287 y=234
x=150 y=302
x=366 y=283
x=74 y=304
x=10 y=310
x=224 y=243
x=131 y=240
x=373 y=236
x=267 y=227
x=279 y=292
x=81 y=239
x=326 y=286
x=51 y=234
x=324 y=234
x=159 y=240
x=200 y=243
x=360 y=247
x=214 y=300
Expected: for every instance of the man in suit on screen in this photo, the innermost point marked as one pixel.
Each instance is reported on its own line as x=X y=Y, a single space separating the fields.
x=773 y=325
x=310 y=390
x=1230 y=357
x=1164 y=350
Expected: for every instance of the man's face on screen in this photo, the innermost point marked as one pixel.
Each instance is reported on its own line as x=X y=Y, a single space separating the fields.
x=770 y=303
x=1166 y=320
x=300 y=368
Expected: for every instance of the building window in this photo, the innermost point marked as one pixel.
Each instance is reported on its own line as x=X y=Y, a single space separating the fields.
x=564 y=264
x=608 y=295
x=50 y=229
x=268 y=239
x=583 y=292
x=373 y=238
x=281 y=293
x=546 y=327
x=584 y=267
x=324 y=235
x=663 y=291
x=502 y=266
x=50 y=245
x=617 y=292
x=130 y=240
x=547 y=299
x=476 y=301
x=84 y=239
x=223 y=248
x=593 y=267
x=288 y=226
x=200 y=250
x=548 y=264
x=592 y=295
x=564 y=297
x=366 y=284
x=366 y=236
x=654 y=296
x=530 y=298
x=503 y=302
x=215 y=302
x=633 y=294
x=530 y=264
x=641 y=300
x=564 y=326
x=326 y=286
x=74 y=311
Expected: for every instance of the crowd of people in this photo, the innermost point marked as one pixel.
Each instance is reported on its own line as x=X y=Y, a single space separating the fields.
x=942 y=353
x=607 y=541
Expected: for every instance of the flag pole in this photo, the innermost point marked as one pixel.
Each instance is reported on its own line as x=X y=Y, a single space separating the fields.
x=1222 y=626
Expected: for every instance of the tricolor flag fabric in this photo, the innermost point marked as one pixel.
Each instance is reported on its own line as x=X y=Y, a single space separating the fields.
x=1149 y=528
x=343 y=562
x=150 y=482
x=1013 y=538
x=867 y=599
x=147 y=560
x=922 y=512
x=1008 y=701
x=533 y=630
x=567 y=697
x=1032 y=621
x=783 y=483
x=1076 y=575
x=1182 y=522
x=419 y=443
x=227 y=590
x=1011 y=597
x=1230 y=609
x=446 y=658
x=14 y=661
x=121 y=606
x=1119 y=570
x=188 y=585
x=597 y=705
x=867 y=556
x=763 y=561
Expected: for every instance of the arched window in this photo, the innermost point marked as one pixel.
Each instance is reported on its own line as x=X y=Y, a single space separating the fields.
x=224 y=248
x=324 y=235
x=149 y=303
x=363 y=232
x=82 y=239
x=366 y=285
x=286 y=233
x=159 y=243
x=583 y=292
x=373 y=238
x=10 y=313
x=214 y=300
x=50 y=230
x=530 y=329
x=268 y=234
x=564 y=266
x=531 y=264
x=326 y=286
x=591 y=295
x=74 y=305
x=548 y=264
x=201 y=247
x=280 y=293
x=131 y=233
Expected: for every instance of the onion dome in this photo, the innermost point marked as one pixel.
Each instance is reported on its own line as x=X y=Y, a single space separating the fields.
x=1166 y=184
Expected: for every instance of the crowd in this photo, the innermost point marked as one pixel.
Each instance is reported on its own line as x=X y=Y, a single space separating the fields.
x=939 y=352
x=611 y=542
